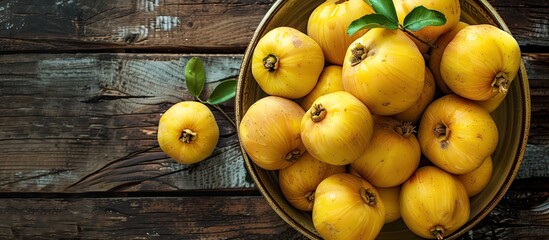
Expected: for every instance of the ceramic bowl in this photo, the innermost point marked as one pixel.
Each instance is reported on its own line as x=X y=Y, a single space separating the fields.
x=512 y=118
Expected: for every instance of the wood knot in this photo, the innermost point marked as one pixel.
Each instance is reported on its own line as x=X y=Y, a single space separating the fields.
x=133 y=34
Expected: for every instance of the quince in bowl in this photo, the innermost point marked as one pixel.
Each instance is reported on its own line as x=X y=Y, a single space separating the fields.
x=511 y=118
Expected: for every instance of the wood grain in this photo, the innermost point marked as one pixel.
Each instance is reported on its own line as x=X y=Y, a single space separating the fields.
x=211 y=25
x=239 y=217
x=538 y=77
x=87 y=122
x=206 y=217
x=527 y=20
x=180 y=25
x=519 y=215
x=84 y=82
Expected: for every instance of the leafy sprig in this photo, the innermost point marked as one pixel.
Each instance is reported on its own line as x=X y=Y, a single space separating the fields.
x=385 y=16
x=195 y=78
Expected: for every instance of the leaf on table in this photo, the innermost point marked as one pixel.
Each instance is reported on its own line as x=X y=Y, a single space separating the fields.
x=195 y=76
x=225 y=91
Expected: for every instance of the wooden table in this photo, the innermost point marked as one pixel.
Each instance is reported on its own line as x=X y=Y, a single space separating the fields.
x=84 y=82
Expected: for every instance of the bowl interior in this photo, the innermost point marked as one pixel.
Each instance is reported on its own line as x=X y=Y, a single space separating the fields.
x=512 y=119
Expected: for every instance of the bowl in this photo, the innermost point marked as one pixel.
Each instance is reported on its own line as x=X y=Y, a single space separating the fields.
x=512 y=119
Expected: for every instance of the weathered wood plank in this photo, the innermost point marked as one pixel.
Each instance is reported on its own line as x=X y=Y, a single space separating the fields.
x=538 y=77
x=535 y=163
x=62 y=25
x=193 y=26
x=527 y=20
x=519 y=215
x=88 y=123
x=203 y=217
x=242 y=217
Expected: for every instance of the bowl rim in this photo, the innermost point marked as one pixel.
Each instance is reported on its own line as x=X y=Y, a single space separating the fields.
x=508 y=179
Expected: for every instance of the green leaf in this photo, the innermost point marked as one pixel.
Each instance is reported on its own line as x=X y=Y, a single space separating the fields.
x=195 y=76
x=225 y=91
x=385 y=8
x=421 y=17
x=371 y=21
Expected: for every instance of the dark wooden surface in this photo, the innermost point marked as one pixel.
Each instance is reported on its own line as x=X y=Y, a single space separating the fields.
x=83 y=84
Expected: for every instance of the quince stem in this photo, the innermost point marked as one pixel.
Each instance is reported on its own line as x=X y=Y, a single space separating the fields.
x=411 y=34
x=406 y=129
x=438 y=232
x=368 y=196
x=500 y=82
x=187 y=136
x=318 y=113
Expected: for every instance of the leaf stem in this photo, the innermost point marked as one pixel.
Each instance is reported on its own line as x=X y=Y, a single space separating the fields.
x=400 y=27
x=218 y=109
x=225 y=114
